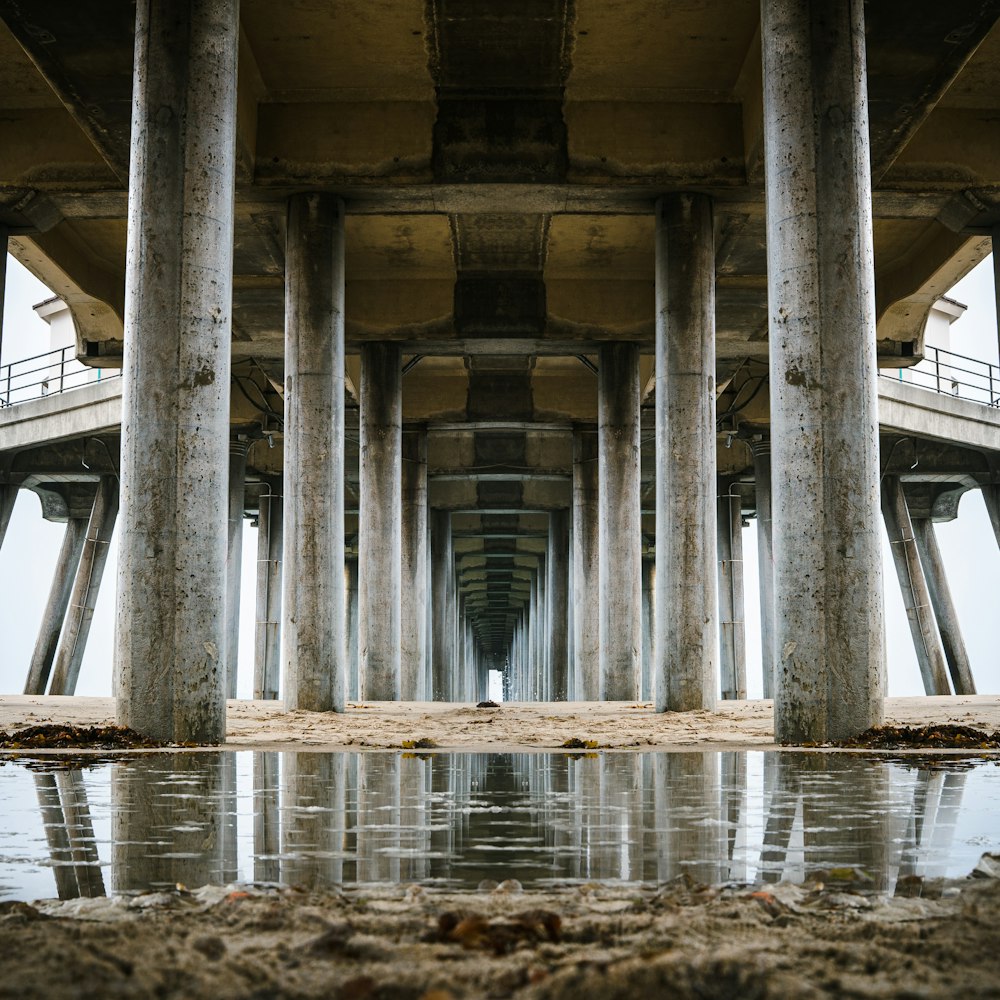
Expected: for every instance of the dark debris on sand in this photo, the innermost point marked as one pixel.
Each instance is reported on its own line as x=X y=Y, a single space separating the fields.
x=947 y=737
x=61 y=737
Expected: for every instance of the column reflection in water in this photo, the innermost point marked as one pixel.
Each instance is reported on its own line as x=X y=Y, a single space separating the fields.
x=930 y=825
x=734 y=806
x=167 y=821
x=377 y=829
x=414 y=817
x=266 y=828
x=312 y=820
x=69 y=831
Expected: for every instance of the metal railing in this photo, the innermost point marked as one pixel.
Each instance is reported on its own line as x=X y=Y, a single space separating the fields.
x=46 y=375
x=952 y=374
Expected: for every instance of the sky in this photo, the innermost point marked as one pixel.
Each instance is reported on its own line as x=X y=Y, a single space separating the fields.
x=28 y=555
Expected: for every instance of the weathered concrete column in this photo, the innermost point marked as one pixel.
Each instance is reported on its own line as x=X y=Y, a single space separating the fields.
x=586 y=576
x=413 y=587
x=686 y=641
x=827 y=550
x=55 y=608
x=913 y=586
x=765 y=560
x=171 y=623
x=86 y=587
x=234 y=558
x=944 y=608
x=732 y=636
x=379 y=534
x=648 y=592
x=558 y=594
x=267 y=634
x=441 y=563
x=620 y=520
x=314 y=650
x=8 y=497
x=352 y=637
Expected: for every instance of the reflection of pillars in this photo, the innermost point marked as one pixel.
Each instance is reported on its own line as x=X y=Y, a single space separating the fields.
x=55 y=608
x=56 y=835
x=913 y=587
x=937 y=798
x=823 y=372
x=765 y=561
x=8 y=492
x=686 y=793
x=312 y=609
x=267 y=637
x=171 y=624
x=734 y=801
x=944 y=608
x=266 y=833
x=413 y=612
x=586 y=580
x=620 y=521
x=351 y=630
x=732 y=641
x=312 y=819
x=379 y=536
x=621 y=854
x=648 y=588
x=414 y=817
x=230 y=861
x=378 y=827
x=781 y=790
x=80 y=830
x=86 y=586
x=234 y=558
x=686 y=603
x=557 y=563
x=167 y=822
x=441 y=562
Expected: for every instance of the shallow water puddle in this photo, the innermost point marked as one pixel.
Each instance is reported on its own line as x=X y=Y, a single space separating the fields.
x=455 y=820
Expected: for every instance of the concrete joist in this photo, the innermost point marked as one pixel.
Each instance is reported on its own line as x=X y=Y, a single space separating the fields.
x=821 y=301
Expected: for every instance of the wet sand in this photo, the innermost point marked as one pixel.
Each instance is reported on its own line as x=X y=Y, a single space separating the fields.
x=514 y=726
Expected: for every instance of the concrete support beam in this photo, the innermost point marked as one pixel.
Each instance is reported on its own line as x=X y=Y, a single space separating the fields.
x=586 y=576
x=732 y=619
x=55 y=608
x=620 y=520
x=314 y=650
x=379 y=512
x=991 y=497
x=557 y=564
x=413 y=588
x=267 y=633
x=441 y=570
x=913 y=586
x=86 y=587
x=171 y=624
x=765 y=560
x=944 y=608
x=8 y=497
x=821 y=299
x=234 y=559
x=686 y=641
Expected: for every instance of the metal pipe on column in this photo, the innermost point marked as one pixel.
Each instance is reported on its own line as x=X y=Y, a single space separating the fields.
x=86 y=587
x=234 y=558
x=765 y=559
x=313 y=612
x=267 y=632
x=732 y=636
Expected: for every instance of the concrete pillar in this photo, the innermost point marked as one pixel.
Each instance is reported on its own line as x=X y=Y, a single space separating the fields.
x=686 y=642
x=991 y=497
x=824 y=420
x=234 y=559
x=8 y=497
x=267 y=634
x=586 y=576
x=765 y=560
x=441 y=565
x=353 y=643
x=648 y=590
x=944 y=608
x=913 y=585
x=313 y=615
x=732 y=635
x=413 y=587
x=620 y=521
x=55 y=608
x=379 y=535
x=171 y=623
x=558 y=594
x=86 y=586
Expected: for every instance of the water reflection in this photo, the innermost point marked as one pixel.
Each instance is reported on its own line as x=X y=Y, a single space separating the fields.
x=316 y=820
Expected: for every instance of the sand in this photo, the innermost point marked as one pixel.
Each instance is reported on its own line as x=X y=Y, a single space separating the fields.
x=735 y=725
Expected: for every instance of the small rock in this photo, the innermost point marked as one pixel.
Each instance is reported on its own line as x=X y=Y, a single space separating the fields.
x=988 y=866
x=211 y=946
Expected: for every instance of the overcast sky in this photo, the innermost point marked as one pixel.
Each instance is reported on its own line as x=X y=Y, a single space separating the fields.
x=29 y=553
